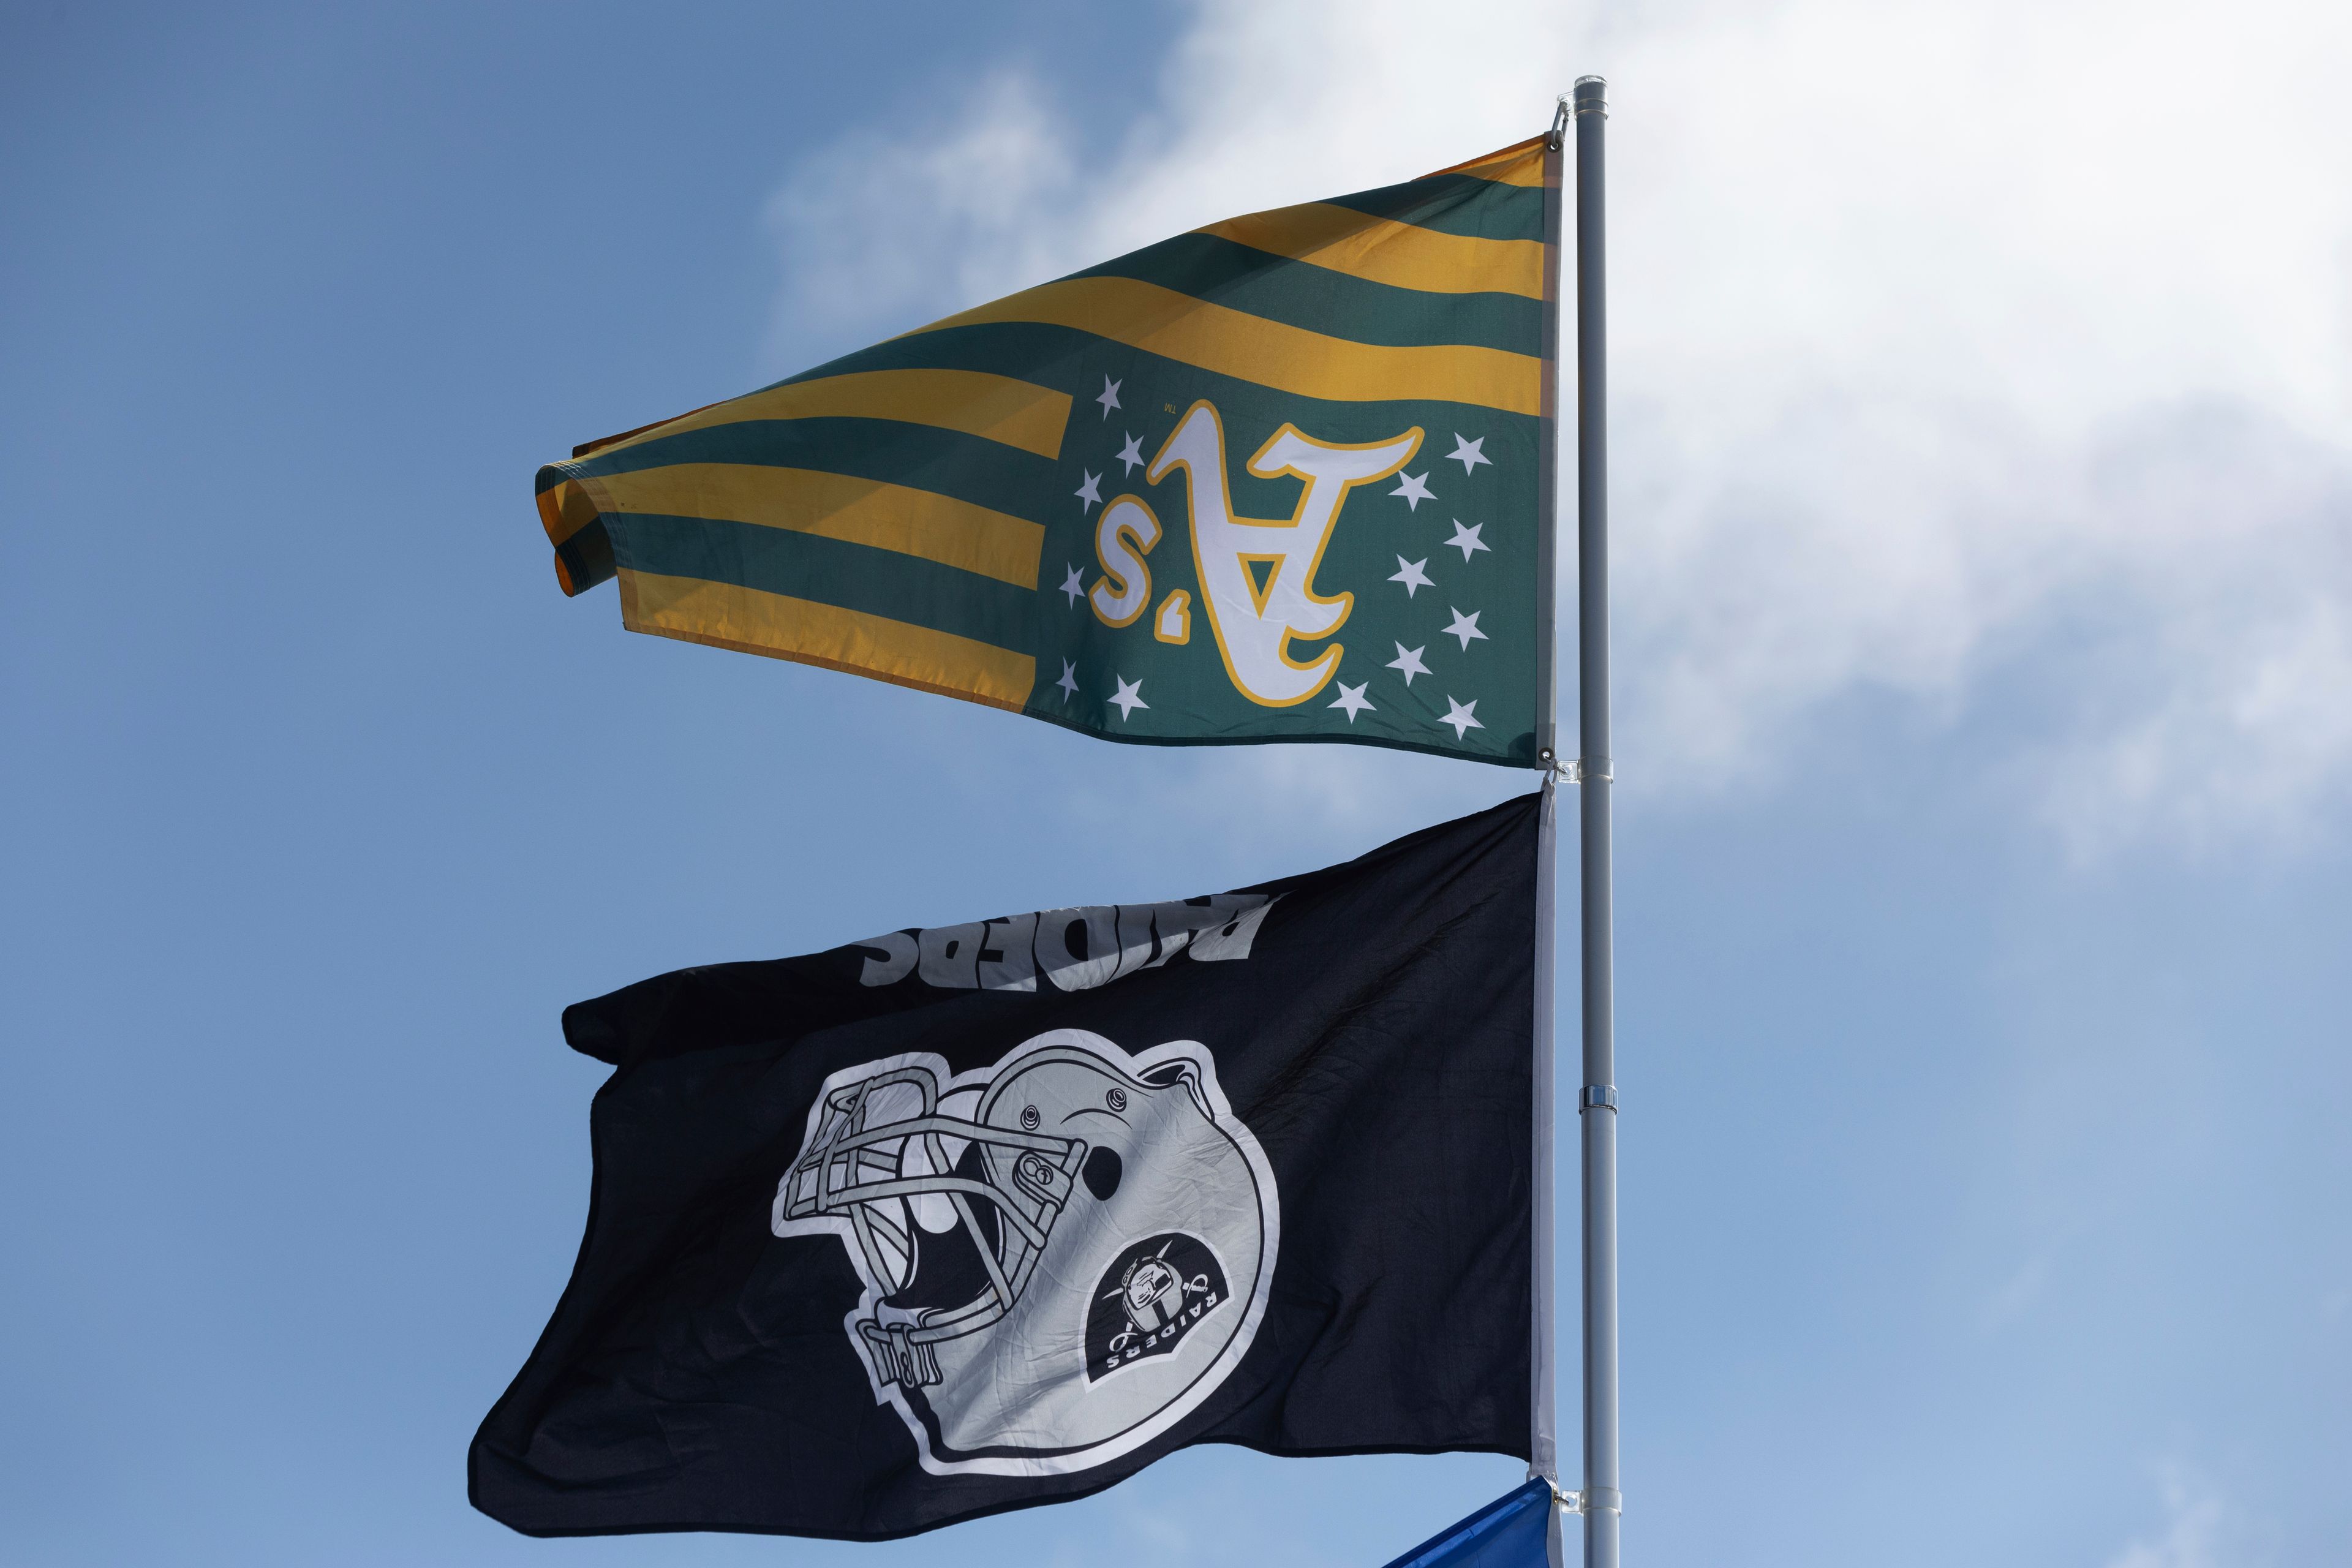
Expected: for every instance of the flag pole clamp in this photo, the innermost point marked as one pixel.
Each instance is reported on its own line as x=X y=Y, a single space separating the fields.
x=1596 y=1499
x=1581 y=770
x=1599 y=1096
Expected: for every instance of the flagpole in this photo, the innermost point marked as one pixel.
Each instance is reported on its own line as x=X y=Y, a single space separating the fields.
x=1600 y=1502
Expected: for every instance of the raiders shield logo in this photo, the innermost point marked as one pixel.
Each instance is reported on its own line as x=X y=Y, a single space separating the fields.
x=1062 y=1254
x=1155 y=1293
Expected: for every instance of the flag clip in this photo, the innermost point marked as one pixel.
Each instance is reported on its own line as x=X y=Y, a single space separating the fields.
x=1580 y=771
x=1595 y=1499
x=1599 y=1096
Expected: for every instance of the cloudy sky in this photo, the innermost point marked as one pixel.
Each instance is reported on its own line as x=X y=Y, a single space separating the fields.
x=1983 y=466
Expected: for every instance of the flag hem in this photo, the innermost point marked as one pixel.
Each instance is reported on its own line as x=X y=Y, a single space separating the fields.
x=988 y=1512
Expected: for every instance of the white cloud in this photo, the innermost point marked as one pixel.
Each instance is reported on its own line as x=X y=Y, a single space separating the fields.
x=879 y=229
x=1954 y=344
x=2191 y=1538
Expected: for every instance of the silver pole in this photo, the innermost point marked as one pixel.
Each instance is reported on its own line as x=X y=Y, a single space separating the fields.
x=1603 y=1501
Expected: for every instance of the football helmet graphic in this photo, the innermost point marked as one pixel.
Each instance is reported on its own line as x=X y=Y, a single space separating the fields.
x=1062 y=1254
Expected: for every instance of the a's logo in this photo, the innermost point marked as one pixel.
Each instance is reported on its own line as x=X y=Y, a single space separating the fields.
x=1062 y=1254
x=1256 y=574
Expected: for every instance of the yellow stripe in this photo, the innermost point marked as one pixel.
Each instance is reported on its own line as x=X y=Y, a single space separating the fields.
x=1396 y=253
x=1017 y=413
x=865 y=511
x=564 y=510
x=749 y=621
x=1522 y=164
x=1252 y=348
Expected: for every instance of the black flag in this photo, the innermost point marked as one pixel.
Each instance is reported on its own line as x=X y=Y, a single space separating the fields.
x=974 y=1217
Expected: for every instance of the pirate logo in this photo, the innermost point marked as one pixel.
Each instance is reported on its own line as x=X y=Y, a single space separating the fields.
x=1153 y=1294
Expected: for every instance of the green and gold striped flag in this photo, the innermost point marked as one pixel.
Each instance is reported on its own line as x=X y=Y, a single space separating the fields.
x=1285 y=478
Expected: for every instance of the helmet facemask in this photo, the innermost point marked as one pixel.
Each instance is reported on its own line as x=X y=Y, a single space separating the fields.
x=951 y=1212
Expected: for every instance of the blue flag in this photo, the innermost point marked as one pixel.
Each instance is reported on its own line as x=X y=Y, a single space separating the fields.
x=1509 y=1532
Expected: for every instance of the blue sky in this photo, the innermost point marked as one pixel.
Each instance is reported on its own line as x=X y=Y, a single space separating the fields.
x=1984 y=481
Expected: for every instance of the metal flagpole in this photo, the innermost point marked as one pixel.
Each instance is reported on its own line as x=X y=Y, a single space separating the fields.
x=1601 y=1502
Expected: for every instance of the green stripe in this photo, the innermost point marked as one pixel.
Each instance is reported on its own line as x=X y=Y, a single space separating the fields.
x=587 y=557
x=923 y=456
x=830 y=571
x=1456 y=203
x=1512 y=751
x=1301 y=294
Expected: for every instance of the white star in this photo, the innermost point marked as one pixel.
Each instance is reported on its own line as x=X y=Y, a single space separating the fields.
x=1086 y=493
x=1131 y=454
x=1468 y=452
x=1466 y=540
x=1458 y=714
x=1074 y=585
x=1465 y=627
x=1069 y=681
x=1130 y=697
x=1351 y=699
x=1109 y=398
x=1411 y=575
x=1414 y=488
x=1409 y=660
